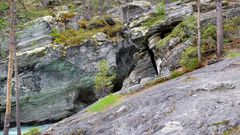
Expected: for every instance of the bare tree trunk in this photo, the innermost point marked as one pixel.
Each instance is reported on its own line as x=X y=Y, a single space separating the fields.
x=101 y=4
x=89 y=9
x=199 y=32
x=18 y=123
x=166 y=1
x=219 y=28
x=10 y=68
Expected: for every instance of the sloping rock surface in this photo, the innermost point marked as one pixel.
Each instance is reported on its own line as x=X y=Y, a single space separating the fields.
x=205 y=101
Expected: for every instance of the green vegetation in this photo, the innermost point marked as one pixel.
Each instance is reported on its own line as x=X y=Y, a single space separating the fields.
x=159 y=15
x=184 y=31
x=189 y=59
x=225 y=122
x=72 y=37
x=232 y=55
x=3 y=7
x=33 y=131
x=232 y=131
x=87 y=29
x=3 y=54
x=3 y=24
x=104 y=103
x=232 y=28
x=209 y=37
x=176 y=73
x=104 y=79
x=32 y=15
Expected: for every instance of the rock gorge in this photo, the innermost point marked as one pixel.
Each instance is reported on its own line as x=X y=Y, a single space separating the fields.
x=57 y=81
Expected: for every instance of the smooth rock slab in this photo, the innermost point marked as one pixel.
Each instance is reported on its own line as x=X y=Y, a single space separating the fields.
x=205 y=101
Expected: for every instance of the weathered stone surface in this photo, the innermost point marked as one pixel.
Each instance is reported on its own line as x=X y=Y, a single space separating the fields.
x=230 y=11
x=205 y=101
x=175 y=13
x=167 y=59
x=57 y=82
x=144 y=69
x=134 y=10
x=35 y=35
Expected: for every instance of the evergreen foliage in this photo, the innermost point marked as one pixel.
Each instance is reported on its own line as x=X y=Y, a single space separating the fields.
x=104 y=79
x=189 y=58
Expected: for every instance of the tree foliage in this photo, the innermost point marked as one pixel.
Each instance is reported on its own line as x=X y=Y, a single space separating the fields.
x=104 y=79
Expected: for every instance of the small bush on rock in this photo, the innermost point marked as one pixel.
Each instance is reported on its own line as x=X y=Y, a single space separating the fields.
x=189 y=58
x=104 y=79
x=232 y=28
x=209 y=38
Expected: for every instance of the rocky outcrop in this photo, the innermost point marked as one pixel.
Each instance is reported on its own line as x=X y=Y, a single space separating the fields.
x=58 y=81
x=205 y=101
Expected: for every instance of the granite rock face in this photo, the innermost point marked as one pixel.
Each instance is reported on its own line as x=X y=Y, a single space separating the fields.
x=205 y=101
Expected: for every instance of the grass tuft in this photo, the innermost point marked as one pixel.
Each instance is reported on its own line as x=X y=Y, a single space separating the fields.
x=232 y=55
x=104 y=103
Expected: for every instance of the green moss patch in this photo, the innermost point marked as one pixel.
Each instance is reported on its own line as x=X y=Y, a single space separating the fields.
x=232 y=131
x=104 y=103
x=88 y=28
x=184 y=31
x=225 y=122
x=176 y=73
x=159 y=15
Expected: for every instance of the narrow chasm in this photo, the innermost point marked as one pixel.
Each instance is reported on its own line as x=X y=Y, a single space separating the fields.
x=152 y=57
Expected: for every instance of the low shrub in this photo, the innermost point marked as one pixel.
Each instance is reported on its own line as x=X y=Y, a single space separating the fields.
x=189 y=58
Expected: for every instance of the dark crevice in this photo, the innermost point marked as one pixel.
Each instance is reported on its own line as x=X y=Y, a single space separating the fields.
x=152 y=57
x=125 y=64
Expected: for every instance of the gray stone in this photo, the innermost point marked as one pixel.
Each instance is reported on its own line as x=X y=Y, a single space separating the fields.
x=134 y=10
x=144 y=69
x=205 y=101
x=57 y=82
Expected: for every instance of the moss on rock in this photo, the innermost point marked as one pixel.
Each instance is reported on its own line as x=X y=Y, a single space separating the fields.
x=185 y=30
